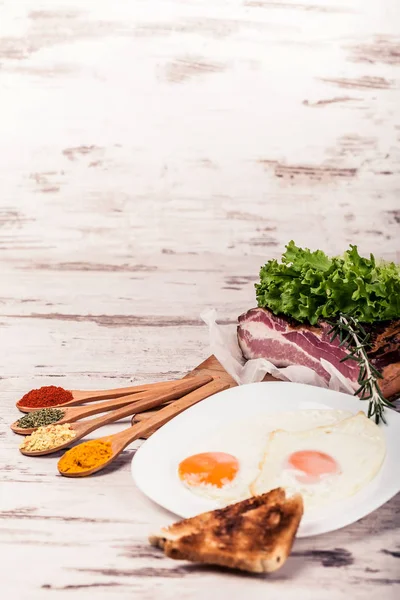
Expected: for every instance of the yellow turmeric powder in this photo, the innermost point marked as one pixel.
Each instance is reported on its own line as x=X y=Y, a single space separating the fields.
x=86 y=456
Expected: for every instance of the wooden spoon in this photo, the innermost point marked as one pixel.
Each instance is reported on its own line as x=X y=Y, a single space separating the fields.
x=149 y=400
x=83 y=396
x=121 y=440
x=75 y=413
x=141 y=417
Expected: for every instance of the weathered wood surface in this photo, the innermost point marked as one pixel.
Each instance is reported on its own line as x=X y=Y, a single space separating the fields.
x=153 y=156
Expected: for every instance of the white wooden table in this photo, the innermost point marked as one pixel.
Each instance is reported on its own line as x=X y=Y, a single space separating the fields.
x=153 y=155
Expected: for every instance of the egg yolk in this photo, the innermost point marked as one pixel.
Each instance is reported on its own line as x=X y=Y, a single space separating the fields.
x=312 y=464
x=214 y=468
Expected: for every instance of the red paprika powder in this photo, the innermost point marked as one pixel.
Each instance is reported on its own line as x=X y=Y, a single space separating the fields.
x=48 y=395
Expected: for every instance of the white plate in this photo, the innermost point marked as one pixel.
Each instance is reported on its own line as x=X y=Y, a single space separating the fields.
x=154 y=466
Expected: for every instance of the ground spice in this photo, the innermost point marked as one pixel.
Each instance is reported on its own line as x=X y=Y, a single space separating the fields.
x=48 y=395
x=48 y=437
x=40 y=418
x=85 y=456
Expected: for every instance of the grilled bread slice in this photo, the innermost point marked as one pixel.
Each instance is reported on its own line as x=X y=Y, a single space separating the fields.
x=252 y=535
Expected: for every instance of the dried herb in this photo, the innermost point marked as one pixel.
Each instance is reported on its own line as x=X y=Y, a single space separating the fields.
x=41 y=418
x=354 y=338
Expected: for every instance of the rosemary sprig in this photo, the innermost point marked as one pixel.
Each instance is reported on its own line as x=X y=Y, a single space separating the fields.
x=353 y=337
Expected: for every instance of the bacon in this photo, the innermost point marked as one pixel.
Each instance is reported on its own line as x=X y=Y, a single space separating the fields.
x=284 y=342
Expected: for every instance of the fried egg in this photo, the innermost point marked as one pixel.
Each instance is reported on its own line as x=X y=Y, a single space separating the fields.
x=223 y=466
x=211 y=468
x=324 y=464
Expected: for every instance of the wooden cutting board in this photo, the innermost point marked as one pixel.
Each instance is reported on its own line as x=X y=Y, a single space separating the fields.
x=212 y=366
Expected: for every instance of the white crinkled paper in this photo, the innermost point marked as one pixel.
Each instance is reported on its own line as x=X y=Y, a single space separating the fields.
x=224 y=345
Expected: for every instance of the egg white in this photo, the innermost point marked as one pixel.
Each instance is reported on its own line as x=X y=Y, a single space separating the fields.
x=246 y=441
x=356 y=443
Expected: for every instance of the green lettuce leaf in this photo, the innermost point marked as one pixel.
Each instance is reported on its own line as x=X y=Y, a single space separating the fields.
x=309 y=285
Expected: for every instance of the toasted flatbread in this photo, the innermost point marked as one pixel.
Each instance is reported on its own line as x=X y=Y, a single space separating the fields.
x=252 y=535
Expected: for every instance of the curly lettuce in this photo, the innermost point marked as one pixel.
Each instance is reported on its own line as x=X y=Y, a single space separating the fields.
x=309 y=286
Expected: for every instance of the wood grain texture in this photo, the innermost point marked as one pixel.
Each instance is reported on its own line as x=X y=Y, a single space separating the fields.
x=154 y=155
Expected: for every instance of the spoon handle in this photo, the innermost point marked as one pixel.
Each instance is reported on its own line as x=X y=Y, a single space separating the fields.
x=91 y=395
x=124 y=438
x=149 y=400
x=78 y=412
